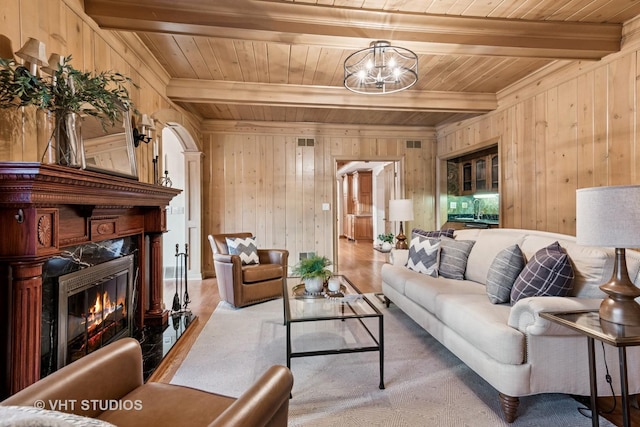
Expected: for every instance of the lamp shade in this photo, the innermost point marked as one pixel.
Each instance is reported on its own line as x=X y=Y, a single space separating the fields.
x=401 y=210
x=608 y=216
x=33 y=51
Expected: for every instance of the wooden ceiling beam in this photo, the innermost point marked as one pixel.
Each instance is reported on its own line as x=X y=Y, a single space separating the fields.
x=350 y=28
x=283 y=95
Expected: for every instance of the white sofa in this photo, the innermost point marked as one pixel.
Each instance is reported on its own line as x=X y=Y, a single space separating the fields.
x=511 y=347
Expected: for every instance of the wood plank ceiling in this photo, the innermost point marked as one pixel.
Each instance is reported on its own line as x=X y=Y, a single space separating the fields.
x=265 y=60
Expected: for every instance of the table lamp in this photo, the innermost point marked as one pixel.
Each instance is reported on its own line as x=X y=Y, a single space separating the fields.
x=401 y=210
x=610 y=217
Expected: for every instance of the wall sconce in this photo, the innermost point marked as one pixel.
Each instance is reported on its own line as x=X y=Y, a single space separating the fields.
x=55 y=61
x=33 y=53
x=144 y=134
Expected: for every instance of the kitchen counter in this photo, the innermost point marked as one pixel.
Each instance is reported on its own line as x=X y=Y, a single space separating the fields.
x=460 y=223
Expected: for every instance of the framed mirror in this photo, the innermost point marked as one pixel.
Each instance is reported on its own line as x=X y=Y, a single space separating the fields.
x=111 y=151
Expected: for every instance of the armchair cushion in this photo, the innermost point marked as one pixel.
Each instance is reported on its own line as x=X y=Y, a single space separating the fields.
x=245 y=247
x=261 y=272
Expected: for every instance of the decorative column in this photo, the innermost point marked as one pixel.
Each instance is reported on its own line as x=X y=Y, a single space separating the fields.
x=156 y=315
x=26 y=318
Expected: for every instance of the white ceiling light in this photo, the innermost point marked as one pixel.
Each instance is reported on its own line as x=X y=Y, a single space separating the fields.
x=380 y=68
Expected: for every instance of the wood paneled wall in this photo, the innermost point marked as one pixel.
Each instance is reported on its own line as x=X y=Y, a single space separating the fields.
x=258 y=179
x=66 y=30
x=576 y=127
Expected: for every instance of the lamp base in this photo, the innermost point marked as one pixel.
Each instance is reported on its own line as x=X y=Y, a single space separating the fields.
x=401 y=241
x=620 y=305
x=620 y=311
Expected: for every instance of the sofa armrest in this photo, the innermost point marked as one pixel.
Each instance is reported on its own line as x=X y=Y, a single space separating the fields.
x=525 y=314
x=120 y=362
x=264 y=404
x=399 y=257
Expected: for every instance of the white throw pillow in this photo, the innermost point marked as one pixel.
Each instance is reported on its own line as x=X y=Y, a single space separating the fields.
x=424 y=255
x=246 y=248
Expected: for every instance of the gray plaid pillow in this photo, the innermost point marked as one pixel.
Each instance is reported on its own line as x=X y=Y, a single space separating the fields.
x=447 y=232
x=548 y=273
x=246 y=248
x=453 y=257
x=503 y=272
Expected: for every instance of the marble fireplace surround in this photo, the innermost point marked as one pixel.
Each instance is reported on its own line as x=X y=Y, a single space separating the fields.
x=47 y=208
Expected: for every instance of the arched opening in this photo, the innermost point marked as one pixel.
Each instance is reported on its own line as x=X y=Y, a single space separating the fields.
x=182 y=160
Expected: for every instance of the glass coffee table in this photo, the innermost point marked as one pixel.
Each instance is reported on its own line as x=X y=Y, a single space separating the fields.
x=331 y=323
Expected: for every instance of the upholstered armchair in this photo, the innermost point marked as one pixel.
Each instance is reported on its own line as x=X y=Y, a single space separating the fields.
x=242 y=284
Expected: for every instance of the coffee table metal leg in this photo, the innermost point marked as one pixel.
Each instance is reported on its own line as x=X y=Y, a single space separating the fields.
x=289 y=345
x=624 y=386
x=288 y=348
x=593 y=382
x=381 y=345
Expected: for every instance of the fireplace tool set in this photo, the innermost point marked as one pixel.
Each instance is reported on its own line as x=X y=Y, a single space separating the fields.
x=180 y=300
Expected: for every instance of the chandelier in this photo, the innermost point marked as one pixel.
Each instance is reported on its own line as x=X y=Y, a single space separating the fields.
x=380 y=68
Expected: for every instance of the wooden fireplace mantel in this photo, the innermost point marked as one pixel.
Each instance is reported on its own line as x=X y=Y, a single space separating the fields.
x=45 y=208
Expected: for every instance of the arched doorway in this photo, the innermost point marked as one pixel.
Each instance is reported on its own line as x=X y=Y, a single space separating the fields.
x=182 y=159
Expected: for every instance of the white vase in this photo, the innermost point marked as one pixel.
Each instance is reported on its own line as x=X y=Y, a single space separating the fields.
x=386 y=246
x=313 y=285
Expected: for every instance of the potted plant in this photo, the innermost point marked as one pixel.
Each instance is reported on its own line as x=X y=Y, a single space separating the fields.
x=313 y=272
x=387 y=241
x=65 y=94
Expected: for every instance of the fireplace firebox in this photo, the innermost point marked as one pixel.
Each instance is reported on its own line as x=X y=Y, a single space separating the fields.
x=95 y=308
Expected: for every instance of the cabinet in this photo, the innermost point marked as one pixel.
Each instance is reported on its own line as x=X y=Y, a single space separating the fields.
x=357 y=196
x=359 y=227
x=362 y=192
x=479 y=174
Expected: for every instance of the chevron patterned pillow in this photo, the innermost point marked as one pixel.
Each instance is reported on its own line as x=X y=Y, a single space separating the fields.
x=424 y=255
x=246 y=248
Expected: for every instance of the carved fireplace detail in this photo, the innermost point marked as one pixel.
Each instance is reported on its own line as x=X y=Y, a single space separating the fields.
x=47 y=208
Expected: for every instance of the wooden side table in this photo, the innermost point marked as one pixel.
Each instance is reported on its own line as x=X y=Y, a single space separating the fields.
x=588 y=323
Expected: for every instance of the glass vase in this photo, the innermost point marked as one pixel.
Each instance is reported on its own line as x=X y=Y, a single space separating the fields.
x=68 y=140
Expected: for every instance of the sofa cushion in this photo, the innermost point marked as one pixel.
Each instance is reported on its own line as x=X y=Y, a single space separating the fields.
x=548 y=273
x=424 y=255
x=453 y=257
x=483 y=325
x=397 y=276
x=503 y=272
x=245 y=248
x=488 y=244
x=425 y=290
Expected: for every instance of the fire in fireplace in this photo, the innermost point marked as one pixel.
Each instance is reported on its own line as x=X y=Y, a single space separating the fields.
x=94 y=308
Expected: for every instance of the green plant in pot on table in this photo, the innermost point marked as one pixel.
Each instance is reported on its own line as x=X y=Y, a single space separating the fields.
x=387 y=241
x=65 y=94
x=313 y=272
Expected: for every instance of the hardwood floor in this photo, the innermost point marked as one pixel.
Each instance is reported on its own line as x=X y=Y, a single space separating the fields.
x=358 y=261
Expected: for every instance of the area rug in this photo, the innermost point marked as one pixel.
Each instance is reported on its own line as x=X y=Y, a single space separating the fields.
x=426 y=385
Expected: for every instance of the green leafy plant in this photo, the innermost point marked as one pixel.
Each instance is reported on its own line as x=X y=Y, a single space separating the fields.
x=386 y=237
x=66 y=90
x=315 y=266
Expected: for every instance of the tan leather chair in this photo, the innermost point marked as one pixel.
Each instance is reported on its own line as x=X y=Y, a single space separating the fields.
x=114 y=374
x=242 y=285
